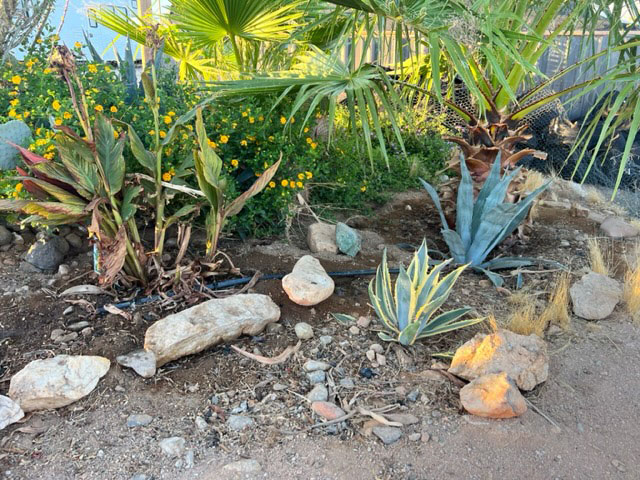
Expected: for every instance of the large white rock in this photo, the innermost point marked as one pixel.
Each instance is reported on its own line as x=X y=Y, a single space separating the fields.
x=308 y=283
x=10 y=412
x=321 y=237
x=595 y=296
x=211 y=322
x=56 y=382
x=523 y=358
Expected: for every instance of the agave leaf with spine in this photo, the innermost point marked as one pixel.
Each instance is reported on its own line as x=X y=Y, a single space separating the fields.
x=482 y=224
x=408 y=311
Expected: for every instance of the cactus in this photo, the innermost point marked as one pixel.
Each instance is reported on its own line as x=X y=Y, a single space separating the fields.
x=14 y=131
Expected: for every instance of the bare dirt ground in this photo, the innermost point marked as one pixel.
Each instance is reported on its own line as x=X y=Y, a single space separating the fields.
x=581 y=423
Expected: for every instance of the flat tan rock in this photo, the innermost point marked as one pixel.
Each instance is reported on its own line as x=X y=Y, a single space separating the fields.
x=209 y=323
x=56 y=382
x=595 y=296
x=523 y=358
x=493 y=396
x=10 y=412
x=308 y=283
x=616 y=227
x=321 y=237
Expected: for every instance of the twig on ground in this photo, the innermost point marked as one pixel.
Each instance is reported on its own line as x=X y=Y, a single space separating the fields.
x=286 y=353
x=542 y=414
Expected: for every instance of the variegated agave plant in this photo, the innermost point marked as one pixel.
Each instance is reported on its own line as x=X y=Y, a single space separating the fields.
x=409 y=314
x=482 y=224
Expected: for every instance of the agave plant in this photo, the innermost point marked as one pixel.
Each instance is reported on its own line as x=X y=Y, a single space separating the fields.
x=483 y=224
x=409 y=313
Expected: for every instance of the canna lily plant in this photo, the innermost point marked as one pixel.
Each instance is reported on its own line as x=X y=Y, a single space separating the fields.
x=213 y=184
x=408 y=312
x=484 y=222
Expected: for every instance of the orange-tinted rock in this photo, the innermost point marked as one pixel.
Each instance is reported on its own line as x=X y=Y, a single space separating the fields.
x=523 y=358
x=327 y=410
x=493 y=396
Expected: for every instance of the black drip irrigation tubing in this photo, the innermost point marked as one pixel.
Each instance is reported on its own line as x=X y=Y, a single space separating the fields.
x=238 y=281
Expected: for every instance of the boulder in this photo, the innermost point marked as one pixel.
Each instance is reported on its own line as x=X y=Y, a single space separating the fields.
x=616 y=227
x=493 y=396
x=308 y=283
x=348 y=240
x=142 y=361
x=595 y=296
x=45 y=255
x=6 y=237
x=56 y=382
x=10 y=412
x=523 y=358
x=321 y=237
x=214 y=321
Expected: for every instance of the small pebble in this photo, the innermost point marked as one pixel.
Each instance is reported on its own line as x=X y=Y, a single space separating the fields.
x=139 y=420
x=319 y=393
x=376 y=347
x=354 y=330
x=317 y=376
x=414 y=437
x=347 y=382
x=326 y=340
x=327 y=410
x=313 y=365
x=68 y=310
x=371 y=355
x=381 y=359
x=78 y=325
x=201 y=423
x=173 y=446
x=303 y=330
x=363 y=322
x=278 y=387
x=239 y=422
x=387 y=435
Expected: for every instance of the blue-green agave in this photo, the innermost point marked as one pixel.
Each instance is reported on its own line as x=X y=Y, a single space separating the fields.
x=483 y=224
x=408 y=314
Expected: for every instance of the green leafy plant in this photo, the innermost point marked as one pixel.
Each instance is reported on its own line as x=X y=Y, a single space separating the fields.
x=409 y=313
x=214 y=185
x=482 y=224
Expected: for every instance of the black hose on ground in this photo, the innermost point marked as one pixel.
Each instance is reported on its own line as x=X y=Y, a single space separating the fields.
x=239 y=281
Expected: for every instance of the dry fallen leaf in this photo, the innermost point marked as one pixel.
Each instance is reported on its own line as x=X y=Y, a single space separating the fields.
x=85 y=290
x=116 y=311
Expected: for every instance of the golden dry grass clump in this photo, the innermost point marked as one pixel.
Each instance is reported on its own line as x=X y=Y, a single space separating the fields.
x=631 y=291
x=598 y=262
x=557 y=310
x=524 y=320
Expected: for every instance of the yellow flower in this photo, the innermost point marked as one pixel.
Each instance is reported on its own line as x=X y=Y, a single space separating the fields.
x=39 y=40
x=284 y=183
x=92 y=68
x=113 y=109
x=252 y=120
x=19 y=187
x=152 y=132
x=58 y=121
x=107 y=68
x=185 y=136
x=293 y=119
x=244 y=114
x=283 y=120
x=41 y=141
x=313 y=145
x=14 y=102
x=47 y=71
x=51 y=147
x=38 y=130
x=260 y=118
x=167 y=119
x=13 y=93
x=272 y=184
x=171 y=114
x=99 y=108
x=212 y=144
x=77 y=45
x=16 y=79
x=66 y=115
x=95 y=90
x=30 y=63
x=56 y=105
x=234 y=125
x=234 y=162
x=224 y=138
x=271 y=138
x=363 y=188
x=14 y=194
x=12 y=113
x=301 y=176
x=306 y=129
x=163 y=134
x=309 y=140
x=166 y=176
x=309 y=175
x=292 y=184
x=49 y=156
x=243 y=143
